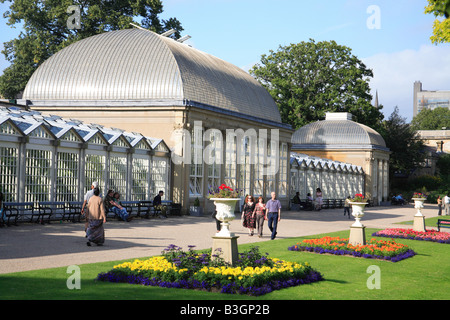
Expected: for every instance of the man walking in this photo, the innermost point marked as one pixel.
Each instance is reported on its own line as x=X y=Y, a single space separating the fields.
x=446 y=202
x=84 y=208
x=273 y=213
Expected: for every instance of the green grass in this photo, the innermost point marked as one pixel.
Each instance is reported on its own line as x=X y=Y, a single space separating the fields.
x=425 y=276
x=429 y=222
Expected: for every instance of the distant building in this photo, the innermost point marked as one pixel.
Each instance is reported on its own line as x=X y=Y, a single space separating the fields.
x=338 y=138
x=425 y=99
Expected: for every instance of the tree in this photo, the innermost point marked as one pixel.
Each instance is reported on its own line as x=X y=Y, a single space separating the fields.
x=441 y=26
x=407 y=152
x=428 y=119
x=308 y=79
x=443 y=165
x=46 y=30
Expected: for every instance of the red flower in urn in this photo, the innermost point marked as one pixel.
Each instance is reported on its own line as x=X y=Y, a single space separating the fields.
x=359 y=197
x=223 y=191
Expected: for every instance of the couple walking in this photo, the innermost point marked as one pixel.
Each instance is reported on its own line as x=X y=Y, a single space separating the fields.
x=253 y=215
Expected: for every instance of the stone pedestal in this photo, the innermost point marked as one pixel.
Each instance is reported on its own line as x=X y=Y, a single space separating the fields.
x=357 y=235
x=228 y=246
x=419 y=223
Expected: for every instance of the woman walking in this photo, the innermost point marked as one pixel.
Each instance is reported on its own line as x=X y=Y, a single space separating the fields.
x=260 y=214
x=439 y=202
x=319 y=201
x=247 y=217
x=95 y=232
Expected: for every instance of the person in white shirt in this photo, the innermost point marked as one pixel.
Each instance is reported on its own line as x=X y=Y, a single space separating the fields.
x=446 y=202
x=84 y=208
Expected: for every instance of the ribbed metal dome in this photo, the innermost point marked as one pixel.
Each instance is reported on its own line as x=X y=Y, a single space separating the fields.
x=138 y=65
x=335 y=133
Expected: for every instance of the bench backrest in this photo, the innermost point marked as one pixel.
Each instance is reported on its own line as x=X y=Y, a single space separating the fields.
x=21 y=206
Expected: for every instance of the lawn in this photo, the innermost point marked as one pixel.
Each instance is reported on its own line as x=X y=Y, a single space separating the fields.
x=425 y=276
x=429 y=222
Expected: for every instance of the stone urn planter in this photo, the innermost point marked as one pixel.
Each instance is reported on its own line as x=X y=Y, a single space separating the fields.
x=225 y=213
x=357 y=229
x=358 y=212
x=224 y=239
x=419 y=218
x=418 y=204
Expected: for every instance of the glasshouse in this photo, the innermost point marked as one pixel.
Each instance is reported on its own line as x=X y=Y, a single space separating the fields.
x=337 y=180
x=47 y=158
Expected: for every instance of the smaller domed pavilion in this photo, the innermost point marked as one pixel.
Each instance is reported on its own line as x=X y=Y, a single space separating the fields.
x=340 y=139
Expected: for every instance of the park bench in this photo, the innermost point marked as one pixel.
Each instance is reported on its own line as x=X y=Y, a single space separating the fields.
x=74 y=210
x=130 y=206
x=306 y=204
x=175 y=209
x=15 y=210
x=442 y=223
x=57 y=209
x=332 y=203
x=145 y=208
x=325 y=204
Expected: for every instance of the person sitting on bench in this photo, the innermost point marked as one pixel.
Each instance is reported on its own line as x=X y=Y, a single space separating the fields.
x=157 y=204
x=112 y=205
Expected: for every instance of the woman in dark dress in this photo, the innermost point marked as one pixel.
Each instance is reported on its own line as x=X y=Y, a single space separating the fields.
x=248 y=219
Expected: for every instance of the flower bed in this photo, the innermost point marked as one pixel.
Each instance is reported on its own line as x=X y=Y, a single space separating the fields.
x=428 y=235
x=375 y=249
x=255 y=274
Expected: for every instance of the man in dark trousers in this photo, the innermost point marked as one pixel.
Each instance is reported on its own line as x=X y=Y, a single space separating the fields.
x=273 y=214
x=157 y=204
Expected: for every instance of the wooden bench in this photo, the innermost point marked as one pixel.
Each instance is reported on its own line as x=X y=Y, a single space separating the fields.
x=14 y=210
x=175 y=209
x=130 y=206
x=49 y=209
x=145 y=208
x=442 y=223
x=74 y=211
x=306 y=204
x=332 y=203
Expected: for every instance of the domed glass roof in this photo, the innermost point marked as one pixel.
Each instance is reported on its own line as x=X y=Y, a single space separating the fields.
x=337 y=131
x=135 y=66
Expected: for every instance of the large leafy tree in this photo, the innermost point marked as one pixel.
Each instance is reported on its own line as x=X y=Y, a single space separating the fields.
x=441 y=26
x=46 y=30
x=308 y=79
x=435 y=119
x=407 y=152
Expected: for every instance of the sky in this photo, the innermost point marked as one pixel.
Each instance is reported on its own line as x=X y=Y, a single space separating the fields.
x=391 y=37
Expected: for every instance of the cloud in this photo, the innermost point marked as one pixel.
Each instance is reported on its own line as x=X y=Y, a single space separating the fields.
x=395 y=73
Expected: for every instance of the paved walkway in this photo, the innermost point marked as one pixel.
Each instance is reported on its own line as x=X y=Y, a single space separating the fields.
x=31 y=246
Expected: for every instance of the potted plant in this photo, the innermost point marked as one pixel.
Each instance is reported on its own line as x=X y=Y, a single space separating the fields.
x=225 y=199
x=195 y=209
x=358 y=204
